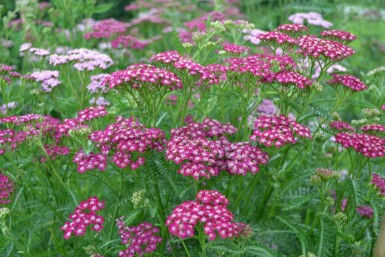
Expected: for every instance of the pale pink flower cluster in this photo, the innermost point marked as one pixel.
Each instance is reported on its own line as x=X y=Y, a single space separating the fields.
x=311 y=18
x=83 y=59
x=49 y=79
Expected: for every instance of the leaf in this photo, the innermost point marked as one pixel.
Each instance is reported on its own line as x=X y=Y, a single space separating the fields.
x=297 y=202
x=101 y=8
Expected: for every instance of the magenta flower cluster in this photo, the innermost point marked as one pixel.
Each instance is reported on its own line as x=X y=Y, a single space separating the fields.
x=293 y=78
x=106 y=29
x=209 y=209
x=365 y=211
x=338 y=35
x=292 y=28
x=368 y=145
x=341 y=126
x=379 y=183
x=278 y=130
x=84 y=216
x=373 y=128
x=127 y=138
x=203 y=150
x=310 y=45
x=141 y=239
x=139 y=75
x=89 y=161
x=235 y=49
x=6 y=189
x=277 y=37
x=348 y=81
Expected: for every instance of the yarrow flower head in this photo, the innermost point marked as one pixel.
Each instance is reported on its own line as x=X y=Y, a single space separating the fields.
x=6 y=189
x=96 y=85
x=209 y=209
x=341 y=126
x=365 y=211
x=278 y=130
x=338 y=35
x=83 y=59
x=140 y=75
x=379 y=183
x=49 y=79
x=368 y=145
x=127 y=41
x=235 y=49
x=141 y=239
x=311 y=18
x=374 y=128
x=348 y=81
x=293 y=78
x=195 y=69
x=84 y=216
x=278 y=38
x=92 y=113
x=126 y=137
x=203 y=151
x=291 y=28
x=166 y=57
x=106 y=29
x=90 y=161
x=312 y=46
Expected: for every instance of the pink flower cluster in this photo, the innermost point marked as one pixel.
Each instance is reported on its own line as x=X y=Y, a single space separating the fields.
x=341 y=126
x=235 y=49
x=166 y=57
x=292 y=77
x=379 y=183
x=200 y=155
x=373 y=128
x=96 y=85
x=139 y=75
x=35 y=51
x=84 y=216
x=291 y=28
x=365 y=211
x=84 y=59
x=260 y=65
x=53 y=151
x=209 y=209
x=7 y=73
x=106 y=29
x=195 y=69
x=368 y=145
x=91 y=113
x=310 y=45
x=6 y=189
x=89 y=161
x=311 y=18
x=142 y=239
x=18 y=120
x=33 y=125
x=125 y=138
x=277 y=37
x=338 y=35
x=278 y=130
x=348 y=81
x=48 y=78
x=127 y=41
